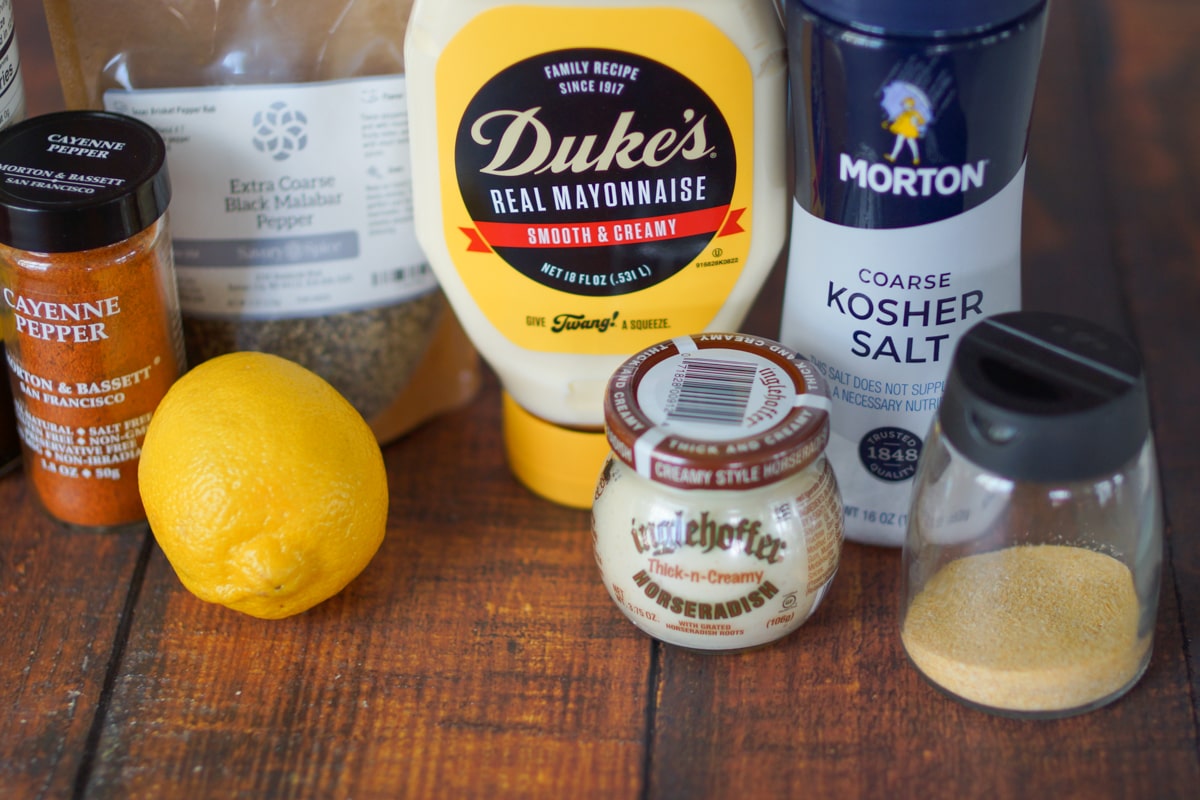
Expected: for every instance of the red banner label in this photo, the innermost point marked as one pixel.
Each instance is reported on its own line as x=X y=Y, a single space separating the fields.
x=603 y=234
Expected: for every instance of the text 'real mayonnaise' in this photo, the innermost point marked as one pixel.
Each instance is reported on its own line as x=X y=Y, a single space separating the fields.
x=590 y=178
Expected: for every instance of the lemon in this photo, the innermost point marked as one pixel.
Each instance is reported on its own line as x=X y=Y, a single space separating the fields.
x=263 y=486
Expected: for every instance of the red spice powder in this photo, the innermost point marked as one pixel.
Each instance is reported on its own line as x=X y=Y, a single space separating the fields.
x=93 y=342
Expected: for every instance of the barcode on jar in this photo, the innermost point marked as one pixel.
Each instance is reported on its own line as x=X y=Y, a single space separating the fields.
x=712 y=391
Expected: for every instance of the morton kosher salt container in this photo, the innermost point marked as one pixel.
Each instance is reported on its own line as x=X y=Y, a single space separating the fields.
x=911 y=119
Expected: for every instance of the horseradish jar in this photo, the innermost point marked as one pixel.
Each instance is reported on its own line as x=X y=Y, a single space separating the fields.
x=717 y=521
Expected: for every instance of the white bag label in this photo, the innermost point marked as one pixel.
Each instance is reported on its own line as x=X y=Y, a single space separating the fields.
x=288 y=199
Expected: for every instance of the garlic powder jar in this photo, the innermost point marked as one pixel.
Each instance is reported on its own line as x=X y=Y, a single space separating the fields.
x=717 y=521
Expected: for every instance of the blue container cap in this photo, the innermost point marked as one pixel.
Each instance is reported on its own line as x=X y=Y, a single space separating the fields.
x=923 y=17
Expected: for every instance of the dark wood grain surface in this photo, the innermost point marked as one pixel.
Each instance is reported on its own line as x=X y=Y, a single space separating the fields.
x=479 y=656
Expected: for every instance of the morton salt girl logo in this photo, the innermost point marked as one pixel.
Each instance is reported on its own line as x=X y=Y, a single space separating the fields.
x=909 y=167
x=595 y=172
x=909 y=113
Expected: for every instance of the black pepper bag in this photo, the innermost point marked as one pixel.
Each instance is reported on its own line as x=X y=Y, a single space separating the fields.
x=287 y=139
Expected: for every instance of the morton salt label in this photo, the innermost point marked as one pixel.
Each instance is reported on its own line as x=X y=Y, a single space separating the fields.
x=910 y=158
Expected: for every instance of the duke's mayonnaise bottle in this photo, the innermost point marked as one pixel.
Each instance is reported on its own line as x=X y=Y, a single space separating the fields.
x=590 y=178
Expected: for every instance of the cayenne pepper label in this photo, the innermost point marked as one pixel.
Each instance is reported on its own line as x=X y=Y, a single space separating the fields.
x=93 y=343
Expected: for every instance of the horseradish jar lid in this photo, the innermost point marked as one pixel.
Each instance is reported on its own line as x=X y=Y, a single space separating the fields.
x=717 y=411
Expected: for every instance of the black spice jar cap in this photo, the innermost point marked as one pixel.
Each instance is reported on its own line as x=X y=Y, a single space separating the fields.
x=1043 y=397
x=77 y=180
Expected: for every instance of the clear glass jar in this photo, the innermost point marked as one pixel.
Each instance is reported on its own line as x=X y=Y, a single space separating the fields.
x=1034 y=548
x=717 y=521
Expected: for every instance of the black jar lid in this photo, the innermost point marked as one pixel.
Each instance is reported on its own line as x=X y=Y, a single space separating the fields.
x=1042 y=397
x=77 y=180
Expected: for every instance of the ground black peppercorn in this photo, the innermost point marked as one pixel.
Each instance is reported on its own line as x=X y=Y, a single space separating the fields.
x=367 y=355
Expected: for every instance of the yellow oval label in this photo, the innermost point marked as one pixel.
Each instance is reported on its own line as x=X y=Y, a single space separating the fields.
x=597 y=192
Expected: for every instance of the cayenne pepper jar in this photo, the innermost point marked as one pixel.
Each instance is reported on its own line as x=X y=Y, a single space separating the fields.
x=90 y=311
x=717 y=521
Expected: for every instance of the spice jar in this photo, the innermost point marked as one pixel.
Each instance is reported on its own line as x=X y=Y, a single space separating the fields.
x=1034 y=546
x=90 y=313
x=717 y=521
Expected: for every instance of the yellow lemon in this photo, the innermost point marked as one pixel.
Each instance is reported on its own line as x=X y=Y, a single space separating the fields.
x=263 y=486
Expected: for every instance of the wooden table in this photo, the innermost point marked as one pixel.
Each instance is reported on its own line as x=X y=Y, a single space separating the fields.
x=479 y=656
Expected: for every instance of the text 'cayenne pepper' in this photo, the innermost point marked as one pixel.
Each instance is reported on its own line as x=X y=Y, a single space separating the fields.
x=90 y=310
